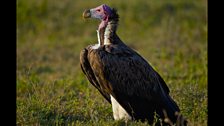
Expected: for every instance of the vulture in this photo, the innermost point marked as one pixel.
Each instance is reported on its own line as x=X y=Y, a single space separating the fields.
x=123 y=77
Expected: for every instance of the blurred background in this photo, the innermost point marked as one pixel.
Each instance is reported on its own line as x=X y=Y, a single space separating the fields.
x=51 y=88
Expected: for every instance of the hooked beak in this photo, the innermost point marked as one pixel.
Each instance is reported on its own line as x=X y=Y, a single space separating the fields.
x=86 y=14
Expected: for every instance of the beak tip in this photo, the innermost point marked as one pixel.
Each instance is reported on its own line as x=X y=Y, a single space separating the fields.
x=86 y=14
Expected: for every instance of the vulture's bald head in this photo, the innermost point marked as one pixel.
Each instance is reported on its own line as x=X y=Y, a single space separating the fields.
x=101 y=12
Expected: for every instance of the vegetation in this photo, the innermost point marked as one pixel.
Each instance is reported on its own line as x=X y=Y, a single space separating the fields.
x=51 y=88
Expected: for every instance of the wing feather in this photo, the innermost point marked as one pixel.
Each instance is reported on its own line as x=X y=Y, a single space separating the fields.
x=87 y=70
x=121 y=72
x=125 y=72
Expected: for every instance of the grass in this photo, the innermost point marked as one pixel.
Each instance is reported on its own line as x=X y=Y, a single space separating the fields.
x=51 y=88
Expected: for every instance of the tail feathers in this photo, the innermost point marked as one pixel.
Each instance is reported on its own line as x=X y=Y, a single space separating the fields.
x=181 y=121
x=171 y=112
x=170 y=107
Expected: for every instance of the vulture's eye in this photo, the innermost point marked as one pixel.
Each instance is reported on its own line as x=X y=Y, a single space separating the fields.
x=98 y=10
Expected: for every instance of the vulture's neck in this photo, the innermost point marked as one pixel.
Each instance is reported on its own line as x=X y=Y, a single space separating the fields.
x=106 y=32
